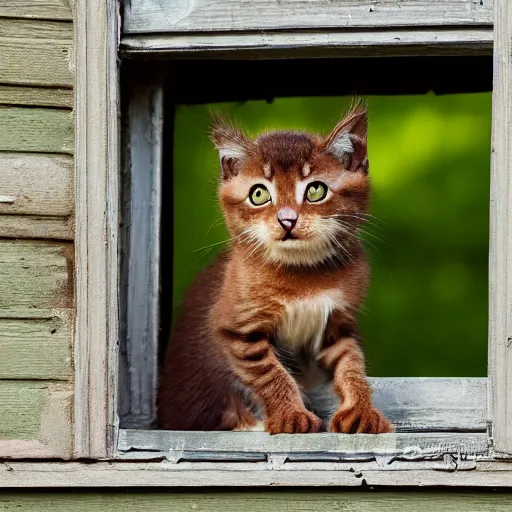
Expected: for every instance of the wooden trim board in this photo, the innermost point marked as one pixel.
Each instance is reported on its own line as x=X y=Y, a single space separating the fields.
x=150 y=16
x=313 y=43
x=140 y=240
x=165 y=474
x=97 y=204
x=500 y=267
x=252 y=446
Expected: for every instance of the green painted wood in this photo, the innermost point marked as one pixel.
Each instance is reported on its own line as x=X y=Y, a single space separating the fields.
x=37 y=184
x=36 y=274
x=21 y=407
x=37 y=226
x=258 y=501
x=38 y=9
x=35 y=29
x=35 y=52
x=36 y=348
x=40 y=130
x=36 y=96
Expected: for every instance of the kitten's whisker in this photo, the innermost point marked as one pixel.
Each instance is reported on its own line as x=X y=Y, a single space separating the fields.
x=377 y=238
x=366 y=221
x=365 y=216
x=363 y=231
x=215 y=223
x=206 y=247
x=338 y=244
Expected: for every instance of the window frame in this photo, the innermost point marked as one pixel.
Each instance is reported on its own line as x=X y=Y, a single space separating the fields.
x=97 y=435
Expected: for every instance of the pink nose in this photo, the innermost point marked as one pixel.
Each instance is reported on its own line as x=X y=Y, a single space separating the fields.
x=287 y=217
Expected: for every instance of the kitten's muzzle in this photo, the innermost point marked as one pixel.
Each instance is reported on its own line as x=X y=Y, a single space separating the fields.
x=287 y=217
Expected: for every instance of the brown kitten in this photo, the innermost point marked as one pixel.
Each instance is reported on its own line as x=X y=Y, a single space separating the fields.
x=276 y=313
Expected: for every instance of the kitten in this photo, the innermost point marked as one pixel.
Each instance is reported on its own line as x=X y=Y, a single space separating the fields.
x=275 y=315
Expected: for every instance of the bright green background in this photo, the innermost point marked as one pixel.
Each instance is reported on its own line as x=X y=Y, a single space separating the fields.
x=426 y=314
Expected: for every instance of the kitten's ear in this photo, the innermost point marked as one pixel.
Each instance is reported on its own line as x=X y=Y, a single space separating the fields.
x=231 y=143
x=347 y=141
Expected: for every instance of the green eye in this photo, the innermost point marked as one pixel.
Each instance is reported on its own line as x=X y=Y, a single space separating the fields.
x=259 y=195
x=316 y=192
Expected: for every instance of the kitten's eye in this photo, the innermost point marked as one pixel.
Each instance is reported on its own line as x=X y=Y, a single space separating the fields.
x=316 y=192
x=259 y=195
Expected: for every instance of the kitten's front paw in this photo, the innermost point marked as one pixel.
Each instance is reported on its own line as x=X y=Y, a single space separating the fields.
x=360 y=419
x=293 y=422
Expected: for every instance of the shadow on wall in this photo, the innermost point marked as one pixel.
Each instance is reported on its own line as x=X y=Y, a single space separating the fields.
x=426 y=314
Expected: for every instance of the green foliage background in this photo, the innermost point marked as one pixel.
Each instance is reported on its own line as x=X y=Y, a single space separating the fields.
x=426 y=314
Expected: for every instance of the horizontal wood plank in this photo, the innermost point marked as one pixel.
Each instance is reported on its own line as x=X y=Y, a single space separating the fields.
x=181 y=446
x=256 y=501
x=36 y=226
x=20 y=409
x=397 y=42
x=36 y=96
x=36 y=274
x=149 y=16
x=37 y=9
x=163 y=474
x=35 y=419
x=35 y=29
x=38 y=130
x=36 y=348
x=35 y=52
x=32 y=184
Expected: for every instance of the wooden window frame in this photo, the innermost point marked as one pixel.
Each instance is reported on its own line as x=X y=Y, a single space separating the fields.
x=328 y=459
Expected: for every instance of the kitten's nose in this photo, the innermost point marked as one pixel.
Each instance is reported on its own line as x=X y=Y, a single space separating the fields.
x=287 y=217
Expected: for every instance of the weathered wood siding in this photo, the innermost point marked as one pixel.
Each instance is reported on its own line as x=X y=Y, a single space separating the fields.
x=256 y=502
x=146 y=16
x=36 y=228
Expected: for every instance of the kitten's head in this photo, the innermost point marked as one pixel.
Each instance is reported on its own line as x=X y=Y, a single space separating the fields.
x=295 y=198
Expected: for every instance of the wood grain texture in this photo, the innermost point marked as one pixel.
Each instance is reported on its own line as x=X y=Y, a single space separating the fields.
x=36 y=96
x=35 y=52
x=141 y=242
x=36 y=274
x=500 y=269
x=38 y=130
x=37 y=184
x=37 y=226
x=37 y=9
x=320 y=43
x=35 y=30
x=163 y=474
x=233 y=446
x=36 y=348
x=229 y=15
x=297 y=501
x=97 y=225
x=21 y=408
x=35 y=419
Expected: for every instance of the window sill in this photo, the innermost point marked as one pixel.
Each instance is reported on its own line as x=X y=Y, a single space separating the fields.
x=167 y=474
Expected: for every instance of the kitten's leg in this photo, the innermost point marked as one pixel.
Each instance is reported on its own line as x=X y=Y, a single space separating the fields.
x=356 y=413
x=258 y=368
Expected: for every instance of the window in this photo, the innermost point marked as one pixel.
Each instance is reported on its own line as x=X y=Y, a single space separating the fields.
x=450 y=430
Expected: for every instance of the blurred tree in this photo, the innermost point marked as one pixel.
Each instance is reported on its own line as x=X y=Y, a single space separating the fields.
x=426 y=314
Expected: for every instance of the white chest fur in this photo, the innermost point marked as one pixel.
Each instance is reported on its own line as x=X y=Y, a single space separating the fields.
x=304 y=321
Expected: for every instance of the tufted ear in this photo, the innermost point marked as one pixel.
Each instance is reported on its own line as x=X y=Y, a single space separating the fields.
x=347 y=141
x=231 y=143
